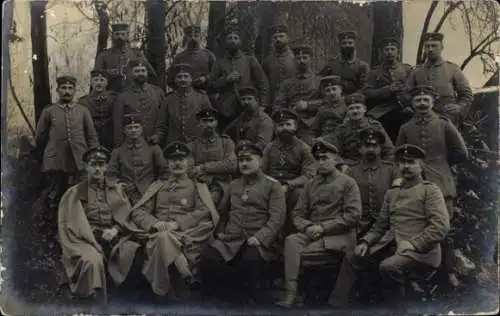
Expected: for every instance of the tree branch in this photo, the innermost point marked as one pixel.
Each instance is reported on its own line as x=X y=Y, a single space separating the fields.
x=478 y=50
x=427 y=21
x=19 y=105
x=451 y=7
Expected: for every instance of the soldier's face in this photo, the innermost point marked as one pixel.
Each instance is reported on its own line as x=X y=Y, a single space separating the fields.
x=390 y=52
x=433 y=49
x=193 y=38
x=286 y=128
x=356 y=111
x=66 y=92
x=249 y=102
x=133 y=131
x=279 y=40
x=140 y=74
x=120 y=36
x=178 y=165
x=183 y=80
x=233 y=41
x=208 y=124
x=410 y=168
x=326 y=162
x=248 y=163
x=99 y=83
x=96 y=169
x=347 y=46
x=423 y=103
x=370 y=151
x=303 y=61
x=332 y=92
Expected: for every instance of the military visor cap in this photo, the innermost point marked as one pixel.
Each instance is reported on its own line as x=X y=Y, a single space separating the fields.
x=66 y=79
x=192 y=29
x=132 y=118
x=119 y=27
x=423 y=90
x=177 y=68
x=331 y=81
x=279 y=28
x=97 y=73
x=347 y=34
x=176 y=150
x=247 y=91
x=354 y=98
x=390 y=41
x=232 y=28
x=321 y=146
x=371 y=136
x=97 y=154
x=284 y=114
x=246 y=148
x=433 y=36
x=207 y=112
x=408 y=151
x=302 y=49
x=137 y=62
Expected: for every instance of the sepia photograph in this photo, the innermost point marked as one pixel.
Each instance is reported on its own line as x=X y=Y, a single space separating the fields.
x=175 y=157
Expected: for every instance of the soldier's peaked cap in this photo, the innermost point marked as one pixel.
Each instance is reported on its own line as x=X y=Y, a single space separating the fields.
x=97 y=72
x=190 y=29
x=207 y=112
x=66 y=79
x=98 y=153
x=246 y=147
x=355 y=98
x=279 y=28
x=371 y=135
x=284 y=114
x=347 y=34
x=119 y=27
x=331 y=80
x=232 y=28
x=176 y=149
x=390 y=40
x=182 y=68
x=408 y=151
x=423 y=90
x=302 y=49
x=137 y=62
x=322 y=146
x=434 y=36
x=247 y=91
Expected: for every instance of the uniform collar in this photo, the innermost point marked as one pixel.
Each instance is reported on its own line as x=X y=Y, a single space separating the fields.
x=409 y=184
x=183 y=93
x=138 y=88
x=284 y=53
x=208 y=140
x=84 y=186
x=137 y=144
x=392 y=66
x=238 y=55
x=436 y=63
x=66 y=105
x=99 y=96
x=371 y=165
x=349 y=61
x=358 y=124
x=284 y=145
x=253 y=178
x=425 y=118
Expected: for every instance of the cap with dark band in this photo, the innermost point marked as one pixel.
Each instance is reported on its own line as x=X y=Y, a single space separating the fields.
x=284 y=114
x=371 y=136
x=97 y=73
x=279 y=28
x=433 y=36
x=177 y=68
x=390 y=40
x=355 y=98
x=423 y=90
x=347 y=34
x=247 y=91
x=232 y=29
x=302 y=49
x=331 y=81
x=176 y=150
x=246 y=148
x=322 y=146
x=408 y=151
x=137 y=62
x=119 y=27
x=192 y=29
x=207 y=112
x=66 y=79
x=97 y=154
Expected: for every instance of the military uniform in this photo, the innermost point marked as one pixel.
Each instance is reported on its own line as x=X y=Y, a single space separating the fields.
x=279 y=67
x=257 y=127
x=147 y=100
x=101 y=110
x=329 y=117
x=353 y=73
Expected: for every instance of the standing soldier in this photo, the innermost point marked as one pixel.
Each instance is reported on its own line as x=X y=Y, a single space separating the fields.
x=385 y=89
x=213 y=155
x=352 y=70
x=301 y=92
x=100 y=104
x=332 y=111
x=250 y=224
x=64 y=132
x=281 y=64
x=288 y=159
x=144 y=98
x=444 y=148
x=416 y=214
x=177 y=116
x=114 y=60
x=201 y=59
x=346 y=137
x=449 y=82
x=326 y=217
x=233 y=71
x=253 y=124
x=136 y=164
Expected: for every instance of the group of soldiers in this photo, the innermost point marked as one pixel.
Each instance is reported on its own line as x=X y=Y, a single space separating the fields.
x=245 y=164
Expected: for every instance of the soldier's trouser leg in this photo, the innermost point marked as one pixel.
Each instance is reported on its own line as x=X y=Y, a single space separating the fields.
x=291 y=199
x=393 y=270
x=448 y=261
x=213 y=272
x=294 y=246
x=248 y=264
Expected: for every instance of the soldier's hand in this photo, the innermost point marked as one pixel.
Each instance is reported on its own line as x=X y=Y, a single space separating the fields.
x=408 y=110
x=361 y=250
x=221 y=236
x=233 y=76
x=196 y=171
x=109 y=234
x=318 y=231
x=200 y=80
x=153 y=140
x=452 y=108
x=310 y=231
x=285 y=188
x=403 y=246
x=300 y=105
x=253 y=241
x=160 y=226
x=126 y=186
x=172 y=226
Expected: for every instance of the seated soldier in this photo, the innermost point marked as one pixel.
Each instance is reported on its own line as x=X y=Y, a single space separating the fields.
x=254 y=216
x=332 y=111
x=326 y=216
x=213 y=155
x=346 y=139
x=416 y=214
x=95 y=227
x=183 y=209
x=288 y=159
x=136 y=164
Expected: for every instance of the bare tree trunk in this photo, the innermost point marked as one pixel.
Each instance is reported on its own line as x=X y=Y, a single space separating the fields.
x=156 y=38
x=387 y=22
x=246 y=23
x=268 y=13
x=102 y=37
x=41 y=84
x=216 y=21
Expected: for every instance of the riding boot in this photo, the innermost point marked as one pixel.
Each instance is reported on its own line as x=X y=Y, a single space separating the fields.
x=290 y=296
